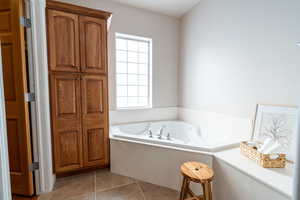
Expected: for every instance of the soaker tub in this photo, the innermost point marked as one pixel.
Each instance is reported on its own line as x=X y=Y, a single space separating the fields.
x=170 y=133
x=156 y=157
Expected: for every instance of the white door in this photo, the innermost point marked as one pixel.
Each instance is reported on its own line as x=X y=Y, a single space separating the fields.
x=5 y=192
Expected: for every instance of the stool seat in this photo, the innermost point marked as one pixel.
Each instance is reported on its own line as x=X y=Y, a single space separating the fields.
x=197 y=172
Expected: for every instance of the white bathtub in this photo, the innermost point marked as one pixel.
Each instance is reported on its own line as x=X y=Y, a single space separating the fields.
x=157 y=161
x=181 y=135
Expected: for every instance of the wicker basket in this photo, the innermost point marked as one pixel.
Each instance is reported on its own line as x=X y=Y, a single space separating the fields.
x=264 y=160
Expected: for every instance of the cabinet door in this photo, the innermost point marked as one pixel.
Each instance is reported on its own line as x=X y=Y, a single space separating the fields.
x=95 y=120
x=63 y=41
x=93 y=44
x=66 y=121
x=15 y=86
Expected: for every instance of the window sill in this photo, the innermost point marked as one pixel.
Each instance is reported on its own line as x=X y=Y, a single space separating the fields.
x=134 y=108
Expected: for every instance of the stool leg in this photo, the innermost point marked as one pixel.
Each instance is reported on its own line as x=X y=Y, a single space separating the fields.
x=184 y=188
x=207 y=194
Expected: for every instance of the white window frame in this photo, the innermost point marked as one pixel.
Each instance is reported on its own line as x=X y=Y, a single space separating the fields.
x=139 y=39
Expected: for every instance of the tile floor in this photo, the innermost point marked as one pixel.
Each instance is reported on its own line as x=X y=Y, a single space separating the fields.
x=104 y=185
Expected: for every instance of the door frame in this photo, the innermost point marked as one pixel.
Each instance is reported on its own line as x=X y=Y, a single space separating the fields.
x=296 y=184
x=5 y=190
x=38 y=84
x=40 y=112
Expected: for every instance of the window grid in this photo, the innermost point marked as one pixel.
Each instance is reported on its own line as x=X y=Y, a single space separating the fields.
x=132 y=97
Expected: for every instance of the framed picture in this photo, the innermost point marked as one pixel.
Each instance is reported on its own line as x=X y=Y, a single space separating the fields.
x=278 y=123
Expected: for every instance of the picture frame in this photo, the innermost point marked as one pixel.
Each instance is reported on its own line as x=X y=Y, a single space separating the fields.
x=278 y=122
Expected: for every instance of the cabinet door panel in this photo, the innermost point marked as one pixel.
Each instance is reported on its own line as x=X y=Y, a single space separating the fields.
x=63 y=41
x=95 y=120
x=5 y=22
x=95 y=145
x=4 y=5
x=93 y=44
x=66 y=121
x=8 y=71
x=69 y=145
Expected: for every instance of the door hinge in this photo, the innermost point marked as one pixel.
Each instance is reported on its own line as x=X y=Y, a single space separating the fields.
x=34 y=166
x=30 y=97
x=26 y=22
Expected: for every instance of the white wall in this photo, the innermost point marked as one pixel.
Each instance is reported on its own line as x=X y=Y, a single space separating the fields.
x=237 y=53
x=162 y=29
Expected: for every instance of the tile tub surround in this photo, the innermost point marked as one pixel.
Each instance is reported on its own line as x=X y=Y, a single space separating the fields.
x=154 y=164
x=104 y=185
x=123 y=116
x=210 y=123
x=227 y=127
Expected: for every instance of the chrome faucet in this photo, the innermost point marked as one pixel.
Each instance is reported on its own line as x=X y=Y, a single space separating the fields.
x=161 y=132
x=169 y=136
x=150 y=134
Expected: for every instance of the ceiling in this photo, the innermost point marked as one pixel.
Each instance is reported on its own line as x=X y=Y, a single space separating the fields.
x=175 y=8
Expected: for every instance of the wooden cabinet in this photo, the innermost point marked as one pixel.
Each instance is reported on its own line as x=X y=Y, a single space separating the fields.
x=63 y=41
x=93 y=44
x=77 y=39
x=66 y=121
x=94 y=115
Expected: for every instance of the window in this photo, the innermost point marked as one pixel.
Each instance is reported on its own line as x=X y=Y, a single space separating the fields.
x=133 y=71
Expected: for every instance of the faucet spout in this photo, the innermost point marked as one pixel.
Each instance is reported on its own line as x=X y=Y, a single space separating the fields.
x=161 y=132
x=169 y=136
x=150 y=134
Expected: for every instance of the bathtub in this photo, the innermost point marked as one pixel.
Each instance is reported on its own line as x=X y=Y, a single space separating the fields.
x=156 y=160
x=177 y=134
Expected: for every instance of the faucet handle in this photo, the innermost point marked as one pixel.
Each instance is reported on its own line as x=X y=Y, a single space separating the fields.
x=169 y=136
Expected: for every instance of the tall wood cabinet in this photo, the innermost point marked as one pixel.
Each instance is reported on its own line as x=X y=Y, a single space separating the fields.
x=77 y=53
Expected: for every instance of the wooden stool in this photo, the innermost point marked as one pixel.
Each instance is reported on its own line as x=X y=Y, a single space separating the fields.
x=198 y=173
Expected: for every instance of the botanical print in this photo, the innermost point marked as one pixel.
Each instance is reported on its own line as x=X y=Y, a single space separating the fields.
x=278 y=123
x=279 y=127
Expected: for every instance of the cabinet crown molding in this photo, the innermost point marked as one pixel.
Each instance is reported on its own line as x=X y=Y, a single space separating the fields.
x=78 y=9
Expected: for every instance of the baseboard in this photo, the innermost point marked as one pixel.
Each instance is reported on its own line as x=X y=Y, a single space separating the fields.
x=80 y=171
x=15 y=197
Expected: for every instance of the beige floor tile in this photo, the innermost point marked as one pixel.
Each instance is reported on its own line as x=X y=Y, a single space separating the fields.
x=106 y=180
x=128 y=192
x=79 y=187
x=104 y=185
x=55 y=196
x=154 y=192
x=74 y=178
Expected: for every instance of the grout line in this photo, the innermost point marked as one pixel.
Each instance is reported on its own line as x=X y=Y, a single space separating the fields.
x=141 y=190
x=115 y=187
